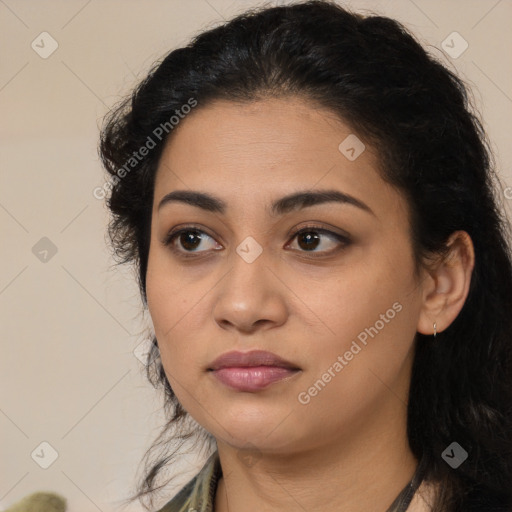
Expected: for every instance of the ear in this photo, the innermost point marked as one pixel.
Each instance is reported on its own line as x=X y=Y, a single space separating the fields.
x=446 y=286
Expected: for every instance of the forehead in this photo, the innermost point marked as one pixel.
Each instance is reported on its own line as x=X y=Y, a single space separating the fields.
x=271 y=130
x=266 y=149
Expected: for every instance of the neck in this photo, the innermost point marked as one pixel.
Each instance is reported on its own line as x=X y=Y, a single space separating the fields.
x=362 y=472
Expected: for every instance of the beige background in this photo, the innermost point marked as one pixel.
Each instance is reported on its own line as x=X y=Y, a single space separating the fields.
x=69 y=376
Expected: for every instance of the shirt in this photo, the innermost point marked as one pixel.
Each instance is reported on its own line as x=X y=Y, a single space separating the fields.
x=198 y=495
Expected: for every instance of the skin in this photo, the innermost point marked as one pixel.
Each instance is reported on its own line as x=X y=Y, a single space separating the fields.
x=347 y=447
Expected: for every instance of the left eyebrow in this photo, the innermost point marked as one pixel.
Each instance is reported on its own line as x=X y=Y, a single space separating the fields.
x=286 y=204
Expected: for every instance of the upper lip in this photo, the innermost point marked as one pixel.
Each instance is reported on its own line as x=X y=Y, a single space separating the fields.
x=252 y=358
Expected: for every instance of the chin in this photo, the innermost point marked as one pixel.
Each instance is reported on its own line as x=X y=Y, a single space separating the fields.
x=258 y=426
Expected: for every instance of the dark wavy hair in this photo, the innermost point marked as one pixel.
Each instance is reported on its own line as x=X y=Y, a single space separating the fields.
x=372 y=73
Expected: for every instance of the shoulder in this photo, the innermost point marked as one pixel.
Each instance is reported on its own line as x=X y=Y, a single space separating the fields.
x=199 y=493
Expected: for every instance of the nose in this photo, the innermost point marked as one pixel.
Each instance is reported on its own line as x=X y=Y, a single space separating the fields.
x=250 y=296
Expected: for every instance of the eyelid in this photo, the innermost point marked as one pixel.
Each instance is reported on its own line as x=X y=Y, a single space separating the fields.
x=322 y=228
x=343 y=239
x=188 y=226
x=169 y=237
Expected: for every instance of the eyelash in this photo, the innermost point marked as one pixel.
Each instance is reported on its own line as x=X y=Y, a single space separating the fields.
x=172 y=235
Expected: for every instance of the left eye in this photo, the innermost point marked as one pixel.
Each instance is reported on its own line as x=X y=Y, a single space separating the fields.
x=308 y=240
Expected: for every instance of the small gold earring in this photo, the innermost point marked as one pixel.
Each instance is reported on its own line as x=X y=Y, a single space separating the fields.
x=435 y=329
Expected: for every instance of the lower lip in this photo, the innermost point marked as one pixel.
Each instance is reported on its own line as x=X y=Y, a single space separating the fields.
x=252 y=378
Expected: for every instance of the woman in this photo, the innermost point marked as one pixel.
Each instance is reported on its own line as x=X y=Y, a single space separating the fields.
x=314 y=216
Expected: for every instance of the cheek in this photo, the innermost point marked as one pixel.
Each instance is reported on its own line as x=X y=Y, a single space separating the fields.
x=369 y=317
x=167 y=302
x=364 y=362
x=178 y=309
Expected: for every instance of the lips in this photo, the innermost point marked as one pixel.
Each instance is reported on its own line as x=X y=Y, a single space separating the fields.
x=251 y=371
x=248 y=359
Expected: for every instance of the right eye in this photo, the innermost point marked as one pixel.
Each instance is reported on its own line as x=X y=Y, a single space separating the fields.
x=189 y=238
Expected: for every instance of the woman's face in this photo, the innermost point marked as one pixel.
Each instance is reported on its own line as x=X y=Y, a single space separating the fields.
x=339 y=302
